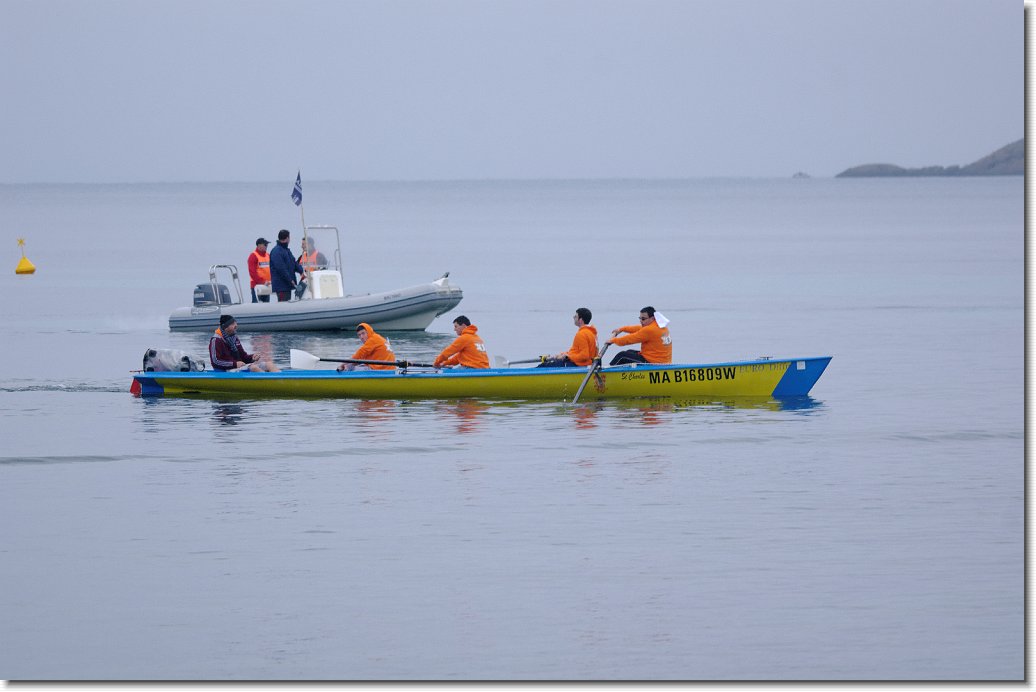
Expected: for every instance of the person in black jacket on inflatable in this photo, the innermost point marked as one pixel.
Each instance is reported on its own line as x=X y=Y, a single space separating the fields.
x=283 y=268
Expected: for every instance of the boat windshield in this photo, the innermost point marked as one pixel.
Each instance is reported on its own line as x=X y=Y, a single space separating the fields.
x=323 y=241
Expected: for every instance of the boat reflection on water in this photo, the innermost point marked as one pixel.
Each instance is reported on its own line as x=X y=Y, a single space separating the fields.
x=471 y=414
x=792 y=403
x=465 y=412
x=583 y=415
x=157 y=413
x=383 y=416
x=376 y=409
x=226 y=413
x=372 y=415
x=654 y=411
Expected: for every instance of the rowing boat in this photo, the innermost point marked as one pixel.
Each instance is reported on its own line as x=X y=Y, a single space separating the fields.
x=754 y=378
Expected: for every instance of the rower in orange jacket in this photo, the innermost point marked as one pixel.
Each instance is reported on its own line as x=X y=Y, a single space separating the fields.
x=653 y=336
x=467 y=350
x=584 y=345
x=373 y=346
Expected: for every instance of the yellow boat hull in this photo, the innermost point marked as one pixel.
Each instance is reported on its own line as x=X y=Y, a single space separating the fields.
x=760 y=378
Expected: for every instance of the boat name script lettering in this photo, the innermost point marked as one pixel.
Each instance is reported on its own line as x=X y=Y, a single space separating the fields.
x=391 y=296
x=692 y=375
x=767 y=367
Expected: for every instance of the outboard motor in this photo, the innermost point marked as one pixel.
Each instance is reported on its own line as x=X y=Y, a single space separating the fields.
x=166 y=360
x=204 y=295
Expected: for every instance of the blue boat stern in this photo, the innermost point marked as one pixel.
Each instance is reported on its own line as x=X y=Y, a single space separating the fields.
x=143 y=385
x=800 y=376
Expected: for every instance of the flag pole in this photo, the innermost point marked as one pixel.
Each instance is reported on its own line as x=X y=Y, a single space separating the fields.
x=296 y=196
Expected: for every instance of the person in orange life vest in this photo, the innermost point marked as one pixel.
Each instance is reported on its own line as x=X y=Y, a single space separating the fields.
x=227 y=353
x=311 y=259
x=584 y=345
x=653 y=336
x=259 y=269
x=373 y=346
x=467 y=350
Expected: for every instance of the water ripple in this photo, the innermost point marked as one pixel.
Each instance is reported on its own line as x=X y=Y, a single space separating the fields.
x=65 y=386
x=65 y=458
x=960 y=436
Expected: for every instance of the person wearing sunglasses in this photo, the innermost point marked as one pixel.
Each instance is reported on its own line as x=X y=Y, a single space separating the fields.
x=652 y=334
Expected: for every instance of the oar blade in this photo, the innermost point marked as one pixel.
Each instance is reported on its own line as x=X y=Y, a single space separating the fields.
x=301 y=360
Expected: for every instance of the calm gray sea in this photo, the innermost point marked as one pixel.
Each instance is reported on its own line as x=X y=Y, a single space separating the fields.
x=873 y=532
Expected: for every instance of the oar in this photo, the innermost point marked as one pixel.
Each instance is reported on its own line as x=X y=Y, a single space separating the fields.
x=594 y=367
x=502 y=362
x=301 y=360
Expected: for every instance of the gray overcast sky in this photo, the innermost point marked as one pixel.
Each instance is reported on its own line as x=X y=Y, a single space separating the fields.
x=128 y=91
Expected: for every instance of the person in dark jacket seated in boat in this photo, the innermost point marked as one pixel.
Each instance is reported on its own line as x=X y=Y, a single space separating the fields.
x=584 y=345
x=283 y=268
x=227 y=354
x=653 y=336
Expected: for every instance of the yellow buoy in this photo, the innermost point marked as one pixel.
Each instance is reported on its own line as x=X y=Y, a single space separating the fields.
x=24 y=265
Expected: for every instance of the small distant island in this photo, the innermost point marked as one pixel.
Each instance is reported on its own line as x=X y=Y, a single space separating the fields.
x=1009 y=160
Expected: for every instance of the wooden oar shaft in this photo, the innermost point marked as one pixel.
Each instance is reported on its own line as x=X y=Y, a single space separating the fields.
x=594 y=367
x=304 y=361
x=397 y=363
x=530 y=360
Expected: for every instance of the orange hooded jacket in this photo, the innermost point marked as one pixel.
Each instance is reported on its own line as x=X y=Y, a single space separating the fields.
x=584 y=346
x=468 y=350
x=376 y=347
x=655 y=344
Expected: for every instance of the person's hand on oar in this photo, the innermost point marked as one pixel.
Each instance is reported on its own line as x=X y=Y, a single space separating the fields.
x=584 y=344
x=652 y=333
x=373 y=346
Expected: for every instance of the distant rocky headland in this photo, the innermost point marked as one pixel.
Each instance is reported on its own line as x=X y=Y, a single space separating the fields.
x=1009 y=160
